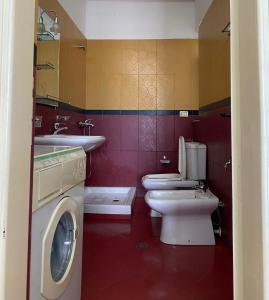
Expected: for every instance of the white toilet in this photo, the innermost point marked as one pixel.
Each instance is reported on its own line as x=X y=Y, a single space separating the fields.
x=186 y=215
x=191 y=168
x=186 y=212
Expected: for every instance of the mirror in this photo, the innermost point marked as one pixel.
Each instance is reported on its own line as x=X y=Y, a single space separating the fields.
x=48 y=54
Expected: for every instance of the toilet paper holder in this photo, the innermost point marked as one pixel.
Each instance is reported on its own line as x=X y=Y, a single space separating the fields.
x=164 y=160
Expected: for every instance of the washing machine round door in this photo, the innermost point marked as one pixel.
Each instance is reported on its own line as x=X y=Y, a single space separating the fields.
x=59 y=248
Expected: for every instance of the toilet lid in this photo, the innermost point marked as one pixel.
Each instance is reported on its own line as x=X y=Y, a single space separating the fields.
x=182 y=157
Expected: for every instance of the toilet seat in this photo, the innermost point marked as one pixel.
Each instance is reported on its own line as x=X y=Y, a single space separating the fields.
x=166 y=182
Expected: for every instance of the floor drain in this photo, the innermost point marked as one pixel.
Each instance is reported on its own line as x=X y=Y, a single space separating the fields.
x=142 y=245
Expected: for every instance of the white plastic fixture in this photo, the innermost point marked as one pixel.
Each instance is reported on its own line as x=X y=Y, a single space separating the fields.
x=88 y=143
x=109 y=200
x=186 y=215
x=191 y=168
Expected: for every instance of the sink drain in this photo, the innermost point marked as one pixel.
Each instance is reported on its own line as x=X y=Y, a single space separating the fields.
x=142 y=245
x=116 y=200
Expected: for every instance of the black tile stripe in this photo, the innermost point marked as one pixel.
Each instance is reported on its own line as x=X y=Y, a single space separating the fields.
x=69 y=107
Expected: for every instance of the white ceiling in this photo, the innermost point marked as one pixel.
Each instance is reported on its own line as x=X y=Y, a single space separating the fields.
x=149 y=0
x=123 y=19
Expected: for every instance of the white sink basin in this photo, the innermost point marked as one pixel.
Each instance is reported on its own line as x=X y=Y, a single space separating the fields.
x=88 y=143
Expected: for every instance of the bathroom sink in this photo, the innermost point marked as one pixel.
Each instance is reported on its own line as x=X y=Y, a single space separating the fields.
x=88 y=143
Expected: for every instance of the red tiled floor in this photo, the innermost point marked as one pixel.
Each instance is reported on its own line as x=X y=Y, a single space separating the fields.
x=117 y=267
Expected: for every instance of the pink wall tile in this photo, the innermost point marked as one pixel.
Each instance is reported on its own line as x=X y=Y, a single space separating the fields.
x=183 y=127
x=147 y=133
x=170 y=168
x=112 y=168
x=166 y=133
x=129 y=133
x=112 y=131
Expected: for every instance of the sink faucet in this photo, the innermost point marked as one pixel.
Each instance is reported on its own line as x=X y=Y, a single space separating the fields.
x=86 y=123
x=58 y=129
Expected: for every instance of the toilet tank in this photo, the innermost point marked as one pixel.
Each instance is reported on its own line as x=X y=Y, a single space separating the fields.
x=196 y=161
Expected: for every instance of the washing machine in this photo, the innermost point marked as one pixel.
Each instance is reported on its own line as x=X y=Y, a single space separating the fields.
x=57 y=223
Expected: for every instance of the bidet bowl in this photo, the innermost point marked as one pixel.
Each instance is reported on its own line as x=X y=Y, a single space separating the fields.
x=186 y=215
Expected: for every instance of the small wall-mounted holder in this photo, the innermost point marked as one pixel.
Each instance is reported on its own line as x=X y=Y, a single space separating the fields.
x=63 y=118
x=165 y=161
x=82 y=47
x=227 y=163
x=38 y=121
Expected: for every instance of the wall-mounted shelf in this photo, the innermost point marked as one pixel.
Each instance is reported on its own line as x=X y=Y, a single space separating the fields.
x=46 y=66
x=48 y=101
x=46 y=36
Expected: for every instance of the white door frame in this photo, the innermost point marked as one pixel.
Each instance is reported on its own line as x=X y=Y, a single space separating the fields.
x=250 y=133
x=263 y=12
x=16 y=102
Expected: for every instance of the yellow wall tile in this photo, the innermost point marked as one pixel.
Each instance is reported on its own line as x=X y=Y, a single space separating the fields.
x=129 y=92
x=186 y=95
x=94 y=99
x=126 y=73
x=94 y=57
x=130 y=57
x=147 y=92
x=165 y=92
x=147 y=57
x=112 y=61
x=111 y=84
x=166 y=56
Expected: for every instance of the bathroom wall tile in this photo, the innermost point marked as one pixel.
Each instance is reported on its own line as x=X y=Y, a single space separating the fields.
x=112 y=131
x=183 y=127
x=94 y=56
x=112 y=62
x=147 y=56
x=147 y=133
x=165 y=92
x=129 y=92
x=167 y=168
x=147 y=163
x=104 y=91
x=72 y=124
x=166 y=133
x=98 y=123
x=111 y=91
x=130 y=56
x=147 y=92
x=166 y=57
x=49 y=118
x=129 y=132
x=113 y=168
x=128 y=168
x=94 y=93
x=186 y=92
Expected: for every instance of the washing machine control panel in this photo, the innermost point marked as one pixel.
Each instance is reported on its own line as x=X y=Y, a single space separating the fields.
x=55 y=174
